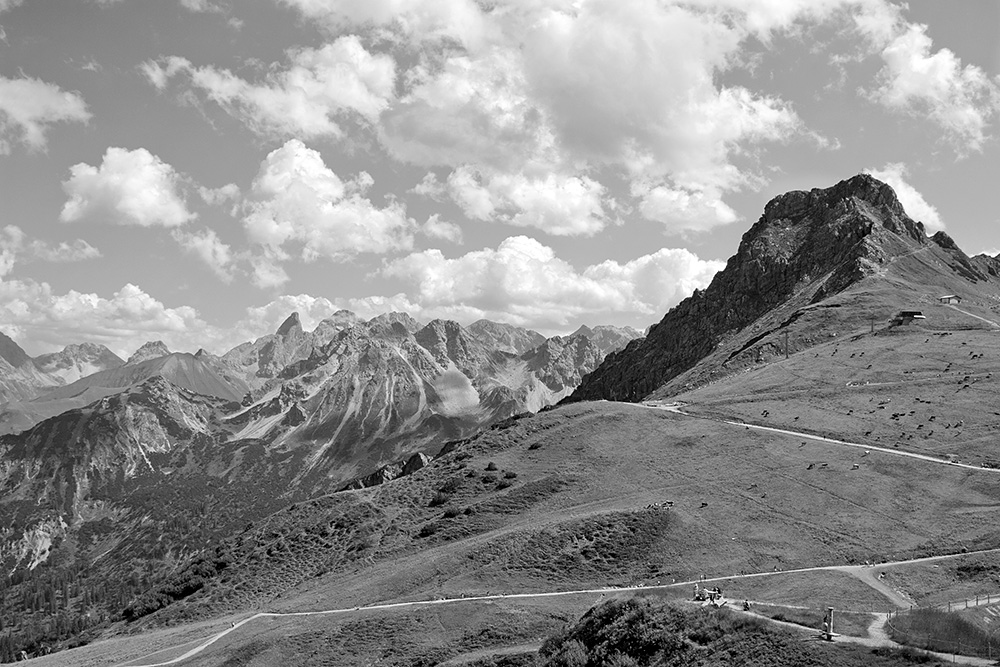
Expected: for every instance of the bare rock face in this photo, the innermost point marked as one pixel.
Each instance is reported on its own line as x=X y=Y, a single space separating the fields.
x=11 y=352
x=608 y=338
x=449 y=343
x=331 y=326
x=389 y=472
x=560 y=363
x=826 y=238
x=153 y=349
x=505 y=337
x=20 y=378
x=77 y=361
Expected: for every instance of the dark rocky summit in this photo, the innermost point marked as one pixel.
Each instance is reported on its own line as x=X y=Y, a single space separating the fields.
x=827 y=239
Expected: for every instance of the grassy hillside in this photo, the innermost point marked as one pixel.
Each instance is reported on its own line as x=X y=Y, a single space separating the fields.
x=583 y=496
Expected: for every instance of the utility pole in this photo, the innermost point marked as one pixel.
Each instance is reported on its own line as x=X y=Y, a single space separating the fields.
x=873 y=323
x=786 y=343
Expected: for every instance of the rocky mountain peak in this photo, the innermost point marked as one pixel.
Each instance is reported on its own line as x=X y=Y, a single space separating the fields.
x=446 y=340
x=150 y=350
x=806 y=247
x=505 y=337
x=290 y=326
x=12 y=353
x=871 y=201
x=387 y=320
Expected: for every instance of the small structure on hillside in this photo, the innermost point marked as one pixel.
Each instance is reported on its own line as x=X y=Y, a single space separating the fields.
x=950 y=298
x=904 y=317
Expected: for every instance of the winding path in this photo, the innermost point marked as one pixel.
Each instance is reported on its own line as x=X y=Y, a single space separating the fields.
x=877 y=635
x=676 y=408
x=854 y=570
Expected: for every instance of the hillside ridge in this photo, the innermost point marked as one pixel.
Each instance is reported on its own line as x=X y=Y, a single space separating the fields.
x=806 y=247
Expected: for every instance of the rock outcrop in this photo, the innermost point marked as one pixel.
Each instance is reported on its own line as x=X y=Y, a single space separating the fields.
x=150 y=350
x=608 y=338
x=77 y=361
x=389 y=472
x=505 y=337
x=820 y=241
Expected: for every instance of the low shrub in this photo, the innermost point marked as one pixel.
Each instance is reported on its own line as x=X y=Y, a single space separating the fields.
x=440 y=498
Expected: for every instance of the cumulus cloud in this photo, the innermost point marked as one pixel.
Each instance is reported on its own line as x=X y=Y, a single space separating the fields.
x=210 y=249
x=524 y=282
x=260 y=320
x=469 y=110
x=436 y=228
x=201 y=7
x=15 y=247
x=895 y=175
x=228 y=193
x=28 y=107
x=296 y=200
x=33 y=313
x=312 y=98
x=557 y=204
x=128 y=188
x=960 y=99
x=627 y=86
x=633 y=85
x=681 y=210
x=420 y=20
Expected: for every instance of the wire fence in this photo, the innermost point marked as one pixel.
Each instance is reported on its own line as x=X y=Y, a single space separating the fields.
x=937 y=628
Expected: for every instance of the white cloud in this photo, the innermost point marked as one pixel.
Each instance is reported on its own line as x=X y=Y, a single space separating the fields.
x=210 y=249
x=565 y=89
x=201 y=7
x=430 y=187
x=29 y=106
x=160 y=74
x=419 y=20
x=296 y=200
x=468 y=110
x=15 y=247
x=524 y=282
x=634 y=85
x=373 y=306
x=321 y=89
x=128 y=188
x=260 y=320
x=554 y=203
x=895 y=174
x=436 y=228
x=221 y=195
x=684 y=210
x=47 y=321
x=960 y=99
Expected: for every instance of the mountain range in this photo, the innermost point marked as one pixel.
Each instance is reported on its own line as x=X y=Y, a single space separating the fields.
x=306 y=411
x=177 y=486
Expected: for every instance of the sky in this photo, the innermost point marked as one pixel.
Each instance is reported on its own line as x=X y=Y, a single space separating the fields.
x=194 y=171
